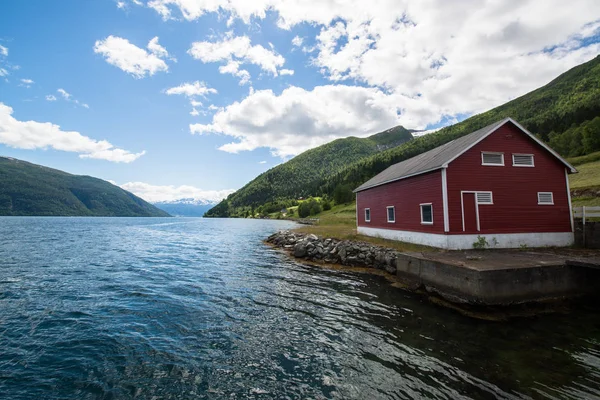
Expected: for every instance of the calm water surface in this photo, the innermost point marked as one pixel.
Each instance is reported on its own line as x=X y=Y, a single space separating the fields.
x=192 y=308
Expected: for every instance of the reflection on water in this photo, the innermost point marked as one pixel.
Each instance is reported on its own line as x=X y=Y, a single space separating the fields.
x=194 y=308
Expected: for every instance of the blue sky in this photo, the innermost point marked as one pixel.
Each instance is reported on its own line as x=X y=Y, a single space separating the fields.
x=273 y=77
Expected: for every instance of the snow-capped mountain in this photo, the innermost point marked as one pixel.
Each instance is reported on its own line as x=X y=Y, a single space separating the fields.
x=187 y=207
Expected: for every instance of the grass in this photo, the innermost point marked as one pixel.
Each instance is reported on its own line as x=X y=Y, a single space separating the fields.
x=588 y=158
x=588 y=176
x=340 y=223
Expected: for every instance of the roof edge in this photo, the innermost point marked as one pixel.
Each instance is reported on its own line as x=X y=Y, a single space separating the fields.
x=359 y=189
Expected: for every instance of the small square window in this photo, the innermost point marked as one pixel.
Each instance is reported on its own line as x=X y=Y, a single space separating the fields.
x=427 y=214
x=545 y=198
x=522 y=160
x=367 y=215
x=489 y=158
x=391 y=214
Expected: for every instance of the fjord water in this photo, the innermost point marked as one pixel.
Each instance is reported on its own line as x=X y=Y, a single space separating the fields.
x=195 y=308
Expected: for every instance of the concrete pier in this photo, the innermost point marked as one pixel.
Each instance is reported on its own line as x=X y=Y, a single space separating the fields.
x=484 y=277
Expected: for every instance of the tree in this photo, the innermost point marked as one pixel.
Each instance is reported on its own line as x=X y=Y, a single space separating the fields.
x=342 y=194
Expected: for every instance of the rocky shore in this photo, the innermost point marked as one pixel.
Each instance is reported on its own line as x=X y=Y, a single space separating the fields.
x=332 y=251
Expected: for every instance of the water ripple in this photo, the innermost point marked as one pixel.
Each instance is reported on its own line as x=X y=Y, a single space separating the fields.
x=110 y=308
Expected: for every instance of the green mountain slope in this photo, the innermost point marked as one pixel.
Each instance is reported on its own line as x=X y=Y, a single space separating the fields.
x=564 y=113
x=302 y=175
x=30 y=189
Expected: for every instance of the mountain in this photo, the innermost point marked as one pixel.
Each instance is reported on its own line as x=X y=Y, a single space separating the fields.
x=31 y=189
x=186 y=207
x=302 y=175
x=564 y=113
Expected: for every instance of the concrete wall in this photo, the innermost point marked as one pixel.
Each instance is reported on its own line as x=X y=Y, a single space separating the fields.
x=465 y=242
x=592 y=234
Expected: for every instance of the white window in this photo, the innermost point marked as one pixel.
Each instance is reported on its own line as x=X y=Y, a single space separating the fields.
x=545 y=198
x=391 y=214
x=484 y=198
x=522 y=160
x=489 y=158
x=367 y=215
x=426 y=214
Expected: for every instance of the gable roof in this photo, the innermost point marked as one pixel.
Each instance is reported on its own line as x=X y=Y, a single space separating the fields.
x=441 y=156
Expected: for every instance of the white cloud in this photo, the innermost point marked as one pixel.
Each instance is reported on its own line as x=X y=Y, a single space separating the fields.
x=27 y=81
x=3 y=72
x=121 y=4
x=235 y=51
x=286 y=72
x=191 y=89
x=64 y=93
x=297 y=41
x=194 y=112
x=69 y=97
x=297 y=119
x=42 y=135
x=439 y=58
x=132 y=59
x=155 y=193
x=262 y=162
x=51 y=97
x=159 y=50
x=3 y=51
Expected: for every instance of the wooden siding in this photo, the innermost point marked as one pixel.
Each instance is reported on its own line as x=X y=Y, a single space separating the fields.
x=515 y=208
x=406 y=196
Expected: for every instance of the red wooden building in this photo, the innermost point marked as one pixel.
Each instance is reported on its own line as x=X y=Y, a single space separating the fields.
x=500 y=182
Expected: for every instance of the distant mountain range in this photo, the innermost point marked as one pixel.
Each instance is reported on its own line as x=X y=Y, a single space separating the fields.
x=29 y=189
x=189 y=207
x=565 y=113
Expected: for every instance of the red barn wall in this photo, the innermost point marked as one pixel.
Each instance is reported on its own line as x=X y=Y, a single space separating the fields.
x=405 y=195
x=515 y=208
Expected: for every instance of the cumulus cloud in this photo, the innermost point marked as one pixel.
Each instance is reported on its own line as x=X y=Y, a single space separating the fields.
x=3 y=51
x=51 y=97
x=440 y=58
x=27 y=82
x=134 y=60
x=3 y=72
x=286 y=72
x=156 y=194
x=235 y=51
x=191 y=89
x=43 y=135
x=298 y=119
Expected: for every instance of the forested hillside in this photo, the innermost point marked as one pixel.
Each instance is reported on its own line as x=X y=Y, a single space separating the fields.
x=564 y=113
x=30 y=189
x=302 y=175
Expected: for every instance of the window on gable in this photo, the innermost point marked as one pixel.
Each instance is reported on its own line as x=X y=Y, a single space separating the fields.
x=522 y=160
x=488 y=158
x=484 y=198
x=391 y=214
x=545 y=198
x=367 y=215
x=427 y=214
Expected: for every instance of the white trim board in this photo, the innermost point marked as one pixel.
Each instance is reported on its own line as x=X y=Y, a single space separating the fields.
x=465 y=242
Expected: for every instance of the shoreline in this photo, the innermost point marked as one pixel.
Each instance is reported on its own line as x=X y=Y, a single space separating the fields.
x=488 y=284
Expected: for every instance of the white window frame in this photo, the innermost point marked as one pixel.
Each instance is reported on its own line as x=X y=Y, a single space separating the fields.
x=492 y=152
x=421 y=207
x=367 y=219
x=526 y=166
x=545 y=204
x=387 y=212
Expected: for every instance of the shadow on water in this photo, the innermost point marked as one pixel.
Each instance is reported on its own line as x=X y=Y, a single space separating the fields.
x=193 y=308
